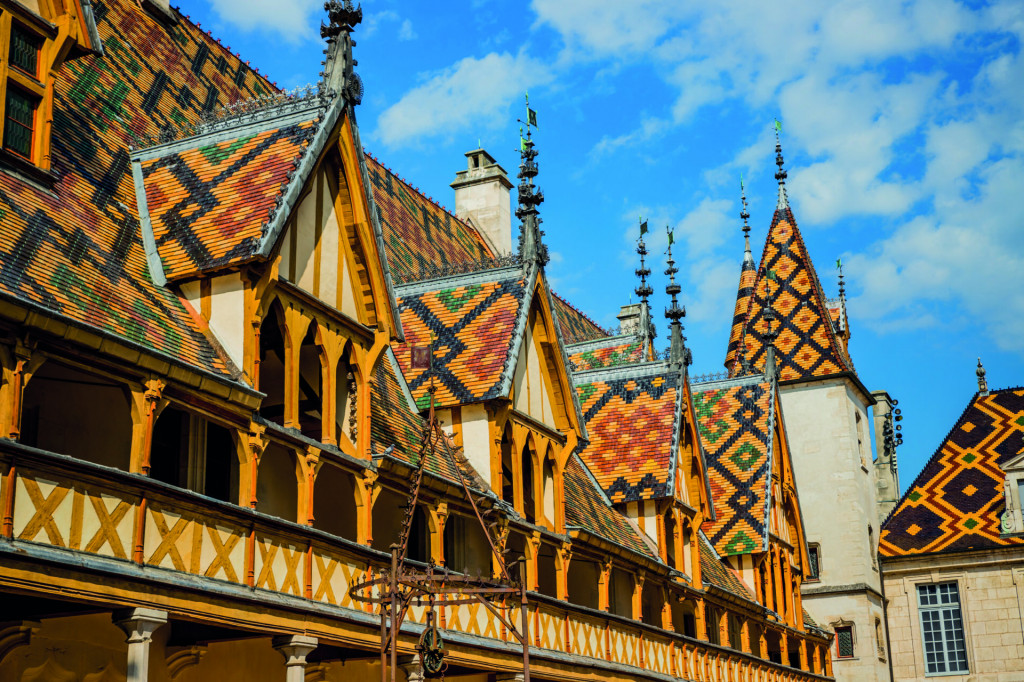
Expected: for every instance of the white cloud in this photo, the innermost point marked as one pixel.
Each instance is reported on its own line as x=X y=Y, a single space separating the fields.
x=471 y=92
x=290 y=19
x=406 y=32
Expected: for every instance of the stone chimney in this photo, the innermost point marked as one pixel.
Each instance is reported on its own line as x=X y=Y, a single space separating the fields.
x=482 y=198
x=629 y=319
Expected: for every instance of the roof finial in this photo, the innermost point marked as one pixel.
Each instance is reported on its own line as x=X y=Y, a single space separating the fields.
x=745 y=214
x=842 y=283
x=679 y=354
x=338 y=75
x=645 y=327
x=770 y=334
x=531 y=248
x=781 y=174
x=982 y=383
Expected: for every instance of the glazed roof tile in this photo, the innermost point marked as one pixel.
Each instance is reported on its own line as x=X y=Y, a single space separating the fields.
x=576 y=327
x=715 y=572
x=735 y=418
x=76 y=250
x=957 y=500
x=210 y=203
x=587 y=508
x=473 y=328
x=807 y=346
x=418 y=234
x=631 y=415
x=614 y=351
x=748 y=275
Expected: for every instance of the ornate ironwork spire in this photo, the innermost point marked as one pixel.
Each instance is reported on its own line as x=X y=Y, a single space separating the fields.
x=645 y=327
x=531 y=246
x=679 y=355
x=842 y=282
x=748 y=257
x=338 y=75
x=982 y=382
x=780 y=175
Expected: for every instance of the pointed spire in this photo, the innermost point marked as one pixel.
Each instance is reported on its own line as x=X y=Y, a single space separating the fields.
x=338 y=75
x=748 y=277
x=780 y=175
x=645 y=328
x=679 y=354
x=531 y=247
x=748 y=257
x=982 y=382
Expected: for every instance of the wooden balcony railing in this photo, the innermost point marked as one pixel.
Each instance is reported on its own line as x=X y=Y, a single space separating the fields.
x=66 y=503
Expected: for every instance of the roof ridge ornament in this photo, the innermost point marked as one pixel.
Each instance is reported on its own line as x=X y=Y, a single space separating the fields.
x=338 y=74
x=645 y=327
x=780 y=175
x=531 y=245
x=679 y=356
x=982 y=382
x=745 y=215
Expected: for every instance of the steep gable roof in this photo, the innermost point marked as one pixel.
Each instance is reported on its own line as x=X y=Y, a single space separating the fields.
x=737 y=423
x=632 y=415
x=807 y=346
x=612 y=351
x=576 y=327
x=420 y=237
x=75 y=251
x=957 y=500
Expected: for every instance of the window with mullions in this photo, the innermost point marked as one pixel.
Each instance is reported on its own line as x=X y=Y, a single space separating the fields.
x=25 y=50
x=844 y=641
x=942 y=628
x=19 y=122
x=814 y=562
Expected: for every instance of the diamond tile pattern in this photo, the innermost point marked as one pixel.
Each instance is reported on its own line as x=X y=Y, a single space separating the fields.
x=735 y=424
x=575 y=326
x=631 y=422
x=419 y=234
x=807 y=346
x=957 y=501
x=472 y=329
x=76 y=250
x=618 y=352
x=587 y=508
x=209 y=205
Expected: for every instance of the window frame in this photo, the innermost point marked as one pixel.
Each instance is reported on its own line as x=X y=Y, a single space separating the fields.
x=40 y=44
x=33 y=129
x=939 y=607
x=38 y=87
x=814 y=561
x=853 y=642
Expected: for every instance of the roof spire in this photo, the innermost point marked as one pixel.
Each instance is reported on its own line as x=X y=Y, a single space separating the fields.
x=645 y=328
x=679 y=355
x=842 y=283
x=338 y=75
x=745 y=215
x=780 y=175
x=770 y=334
x=982 y=383
x=531 y=248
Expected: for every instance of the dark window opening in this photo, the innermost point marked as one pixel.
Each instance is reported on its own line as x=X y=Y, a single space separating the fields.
x=190 y=452
x=311 y=385
x=793 y=649
x=529 y=504
x=334 y=502
x=19 y=122
x=419 y=537
x=271 y=372
x=582 y=582
x=844 y=641
x=277 y=484
x=814 y=562
x=25 y=48
x=508 y=484
x=547 y=573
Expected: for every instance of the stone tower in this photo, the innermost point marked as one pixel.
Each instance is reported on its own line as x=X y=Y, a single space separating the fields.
x=784 y=324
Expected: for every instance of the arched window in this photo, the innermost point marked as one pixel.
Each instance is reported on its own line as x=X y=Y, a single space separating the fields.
x=311 y=384
x=548 y=486
x=529 y=504
x=277 y=483
x=670 y=539
x=271 y=369
x=508 y=483
x=345 y=417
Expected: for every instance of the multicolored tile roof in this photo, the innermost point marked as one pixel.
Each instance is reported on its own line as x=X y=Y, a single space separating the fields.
x=419 y=234
x=576 y=327
x=807 y=346
x=76 y=250
x=957 y=500
x=631 y=415
x=714 y=572
x=210 y=200
x=736 y=422
x=587 y=508
x=748 y=275
x=614 y=351
x=473 y=329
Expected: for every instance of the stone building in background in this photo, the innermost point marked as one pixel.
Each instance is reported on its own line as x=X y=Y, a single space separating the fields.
x=953 y=551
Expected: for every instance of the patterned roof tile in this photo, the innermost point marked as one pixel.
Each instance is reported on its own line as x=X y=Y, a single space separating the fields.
x=576 y=327
x=587 y=508
x=748 y=276
x=209 y=205
x=715 y=572
x=631 y=420
x=957 y=500
x=76 y=250
x=617 y=351
x=419 y=234
x=472 y=328
x=807 y=345
x=735 y=420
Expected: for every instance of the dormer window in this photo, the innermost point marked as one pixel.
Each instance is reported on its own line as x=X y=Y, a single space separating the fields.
x=19 y=122
x=25 y=87
x=25 y=48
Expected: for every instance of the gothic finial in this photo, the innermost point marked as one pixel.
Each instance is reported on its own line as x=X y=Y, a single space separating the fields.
x=780 y=175
x=531 y=247
x=745 y=215
x=982 y=382
x=643 y=272
x=842 y=283
x=679 y=354
x=338 y=74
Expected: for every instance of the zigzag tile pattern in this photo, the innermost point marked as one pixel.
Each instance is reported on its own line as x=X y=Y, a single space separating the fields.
x=957 y=501
x=748 y=276
x=627 y=352
x=208 y=206
x=419 y=234
x=575 y=326
x=630 y=422
x=588 y=509
x=807 y=346
x=735 y=431
x=472 y=328
x=77 y=251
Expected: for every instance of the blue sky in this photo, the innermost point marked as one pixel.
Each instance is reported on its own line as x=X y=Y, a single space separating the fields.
x=903 y=132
